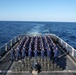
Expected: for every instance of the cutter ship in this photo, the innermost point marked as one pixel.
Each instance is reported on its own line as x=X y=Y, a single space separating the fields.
x=53 y=55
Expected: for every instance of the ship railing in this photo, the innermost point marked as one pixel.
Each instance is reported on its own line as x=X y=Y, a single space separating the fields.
x=7 y=46
x=65 y=46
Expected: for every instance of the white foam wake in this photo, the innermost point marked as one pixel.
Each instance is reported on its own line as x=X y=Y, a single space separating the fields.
x=35 y=30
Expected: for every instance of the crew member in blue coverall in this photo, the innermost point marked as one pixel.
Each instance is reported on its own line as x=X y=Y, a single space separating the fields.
x=12 y=54
x=30 y=52
x=35 y=52
x=23 y=52
x=42 y=53
x=18 y=55
x=56 y=53
x=49 y=53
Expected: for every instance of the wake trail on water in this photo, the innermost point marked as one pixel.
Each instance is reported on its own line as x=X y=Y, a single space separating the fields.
x=38 y=29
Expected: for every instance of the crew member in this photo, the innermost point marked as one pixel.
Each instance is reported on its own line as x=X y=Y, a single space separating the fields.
x=23 y=52
x=56 y=53
x=12 y=54
x=35 y=53
x=42 y=52
x=49 y=52
x=18 y=55
x=30 y=52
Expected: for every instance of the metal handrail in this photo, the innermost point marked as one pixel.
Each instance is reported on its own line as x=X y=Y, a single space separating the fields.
x=8 y=45
x=65 y=45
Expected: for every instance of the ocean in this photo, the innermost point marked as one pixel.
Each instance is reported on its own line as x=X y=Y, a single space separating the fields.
x=65 y=30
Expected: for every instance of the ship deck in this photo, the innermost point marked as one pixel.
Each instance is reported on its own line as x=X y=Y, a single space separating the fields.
x=65 y=62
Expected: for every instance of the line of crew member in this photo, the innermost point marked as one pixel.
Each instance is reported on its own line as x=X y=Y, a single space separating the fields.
x=19 y=53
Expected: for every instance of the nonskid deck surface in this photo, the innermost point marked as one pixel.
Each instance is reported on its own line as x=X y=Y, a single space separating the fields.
x=45 y=73
x=38 y=43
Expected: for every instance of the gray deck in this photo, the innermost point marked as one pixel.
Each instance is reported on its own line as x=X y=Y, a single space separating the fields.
x=65 y=62
x=68 y=65
x=46 y=73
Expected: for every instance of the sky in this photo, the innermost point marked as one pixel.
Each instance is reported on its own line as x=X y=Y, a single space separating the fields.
x=38 y=10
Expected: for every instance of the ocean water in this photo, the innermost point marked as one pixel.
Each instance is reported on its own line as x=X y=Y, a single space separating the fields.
x=65 y=30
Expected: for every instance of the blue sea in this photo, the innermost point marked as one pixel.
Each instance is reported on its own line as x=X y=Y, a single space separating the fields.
x=65 y=30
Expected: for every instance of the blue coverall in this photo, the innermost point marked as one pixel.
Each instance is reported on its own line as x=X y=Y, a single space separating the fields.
x=42 y=53
x=23 y=53
x=18 y=55
x=12 y=54
x=49 y=53
x=30 y=53
x=35 y=53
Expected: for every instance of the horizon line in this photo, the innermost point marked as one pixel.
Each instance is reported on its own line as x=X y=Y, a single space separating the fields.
x=35 y=21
